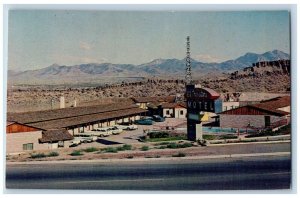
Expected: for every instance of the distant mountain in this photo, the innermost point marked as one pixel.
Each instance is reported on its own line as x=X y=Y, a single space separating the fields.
x=158 y=67
x=249 y=58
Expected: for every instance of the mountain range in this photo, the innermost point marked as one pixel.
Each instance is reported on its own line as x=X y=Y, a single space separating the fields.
x=56 y=74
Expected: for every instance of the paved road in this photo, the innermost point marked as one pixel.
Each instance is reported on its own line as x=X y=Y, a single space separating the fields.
x=218 y=174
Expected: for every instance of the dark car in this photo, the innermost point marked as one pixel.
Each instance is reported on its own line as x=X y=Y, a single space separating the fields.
x=144 y=122
x=158 y=118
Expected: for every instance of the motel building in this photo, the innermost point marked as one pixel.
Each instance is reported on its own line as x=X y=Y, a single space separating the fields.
x=22 y=137
x=50 y=129
x=168 y=110
x=270 y=113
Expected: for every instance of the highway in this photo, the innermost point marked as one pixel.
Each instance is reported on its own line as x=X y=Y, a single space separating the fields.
x=245 y=173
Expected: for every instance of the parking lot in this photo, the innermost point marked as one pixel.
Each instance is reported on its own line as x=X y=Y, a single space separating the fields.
x=132 y=137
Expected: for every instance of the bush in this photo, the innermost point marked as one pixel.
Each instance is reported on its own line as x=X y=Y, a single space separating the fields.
x=161 y=134
x=111 y=150
x=145 y=148
x=127 y=147
x=53 y=154
x=179 y=155
x=209 y=137
x=172 y=145
x=76 y=153
x=38 y=155
x=162 y=147
x=185 y=145
x=163 y=143
x=124 y=147
x=228 y=137
x=90 y=149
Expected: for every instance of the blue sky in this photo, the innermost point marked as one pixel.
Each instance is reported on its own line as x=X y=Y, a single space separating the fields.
x=37 y=39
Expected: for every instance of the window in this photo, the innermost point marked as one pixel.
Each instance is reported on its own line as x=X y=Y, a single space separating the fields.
x=168 y=112
x=181 y=112
x=28 y=146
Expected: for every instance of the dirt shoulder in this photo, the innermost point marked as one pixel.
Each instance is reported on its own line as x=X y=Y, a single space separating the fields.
x=138 y=151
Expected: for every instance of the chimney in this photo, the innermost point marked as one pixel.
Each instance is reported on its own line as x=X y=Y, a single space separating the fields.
x=62 y=102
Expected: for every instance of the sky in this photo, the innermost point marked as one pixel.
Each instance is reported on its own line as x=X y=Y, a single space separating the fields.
x=39 y=38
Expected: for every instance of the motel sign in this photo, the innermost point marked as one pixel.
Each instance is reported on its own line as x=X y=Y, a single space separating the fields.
x=200 y=100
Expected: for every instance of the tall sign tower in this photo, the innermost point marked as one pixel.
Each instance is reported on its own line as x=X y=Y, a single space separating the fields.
x=198 y=101
x=188 y=73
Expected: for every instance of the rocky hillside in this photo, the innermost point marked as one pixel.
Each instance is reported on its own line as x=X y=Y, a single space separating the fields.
x=263 y=77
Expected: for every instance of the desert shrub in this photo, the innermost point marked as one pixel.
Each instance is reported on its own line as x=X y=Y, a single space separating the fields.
x=228 y=137
x=53 y=154
x=268 y=132
x=209 y=137
x=172 y=145
x=162 y=147
x=76 y=153
x=38 y=155
x=163 y=143
x=179 y=155
x=145 y=148
x=124 y=147
x=161 y=134
x=111 y=150
x=127 y=147
x=90 y=149
x=185 y=145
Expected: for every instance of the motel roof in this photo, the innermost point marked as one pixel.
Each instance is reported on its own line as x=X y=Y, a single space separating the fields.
x=267 y=107
x=274 y=103
x=55 y=114
x=68 y=117
x=55 y=135
x=173 y=105
x=213 y=94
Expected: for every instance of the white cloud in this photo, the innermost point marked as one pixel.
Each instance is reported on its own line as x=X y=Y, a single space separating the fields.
x=84 y=45
x=206 y=58
x=91 y=60
x=65 y=59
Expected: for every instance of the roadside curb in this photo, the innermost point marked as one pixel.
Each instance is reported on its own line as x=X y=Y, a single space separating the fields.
x=262 y=142
x=152 y=159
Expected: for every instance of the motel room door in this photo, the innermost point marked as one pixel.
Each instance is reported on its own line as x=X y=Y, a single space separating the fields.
x=267 y=121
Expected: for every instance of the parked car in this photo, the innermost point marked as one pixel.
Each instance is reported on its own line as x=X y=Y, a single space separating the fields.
x=127 y=126
x=83 y=138
x=115 y=130
x=92 y=134
x=103 y=132
x=147 y=118
x=144 y=122
x=158 y=118
x=75 y=142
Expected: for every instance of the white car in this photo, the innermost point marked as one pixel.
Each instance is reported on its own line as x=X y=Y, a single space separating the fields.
x=92 y=134
x=129 y=127
x=75 y=142
x=83 y=138
x=103 y=132
x=115 y=130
